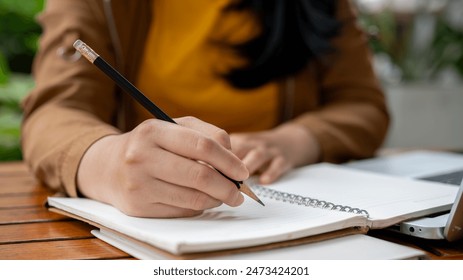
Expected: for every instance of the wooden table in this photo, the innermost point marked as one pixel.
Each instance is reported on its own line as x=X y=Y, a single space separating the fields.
x=29 y=231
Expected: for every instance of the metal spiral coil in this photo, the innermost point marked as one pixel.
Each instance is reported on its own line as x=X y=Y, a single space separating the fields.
x=306 y=201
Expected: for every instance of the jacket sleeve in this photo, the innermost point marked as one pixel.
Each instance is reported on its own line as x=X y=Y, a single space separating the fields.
x=71 y=105
x=352 y=119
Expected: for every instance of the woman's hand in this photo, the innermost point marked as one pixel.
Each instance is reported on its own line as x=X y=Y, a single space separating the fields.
x=274 y=152
x=160 y=169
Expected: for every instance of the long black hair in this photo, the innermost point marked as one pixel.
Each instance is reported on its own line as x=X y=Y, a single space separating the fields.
x=292 y=33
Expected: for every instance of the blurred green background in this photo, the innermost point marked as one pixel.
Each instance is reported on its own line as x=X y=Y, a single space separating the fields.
x=18 y=43
x=421 y=39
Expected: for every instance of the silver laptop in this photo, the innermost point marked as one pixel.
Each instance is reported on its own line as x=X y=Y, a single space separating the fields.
x=431 y=166
x=447 y=226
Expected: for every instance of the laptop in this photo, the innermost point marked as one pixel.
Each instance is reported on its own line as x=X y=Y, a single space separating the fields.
x=432 y=166
x=448 y=226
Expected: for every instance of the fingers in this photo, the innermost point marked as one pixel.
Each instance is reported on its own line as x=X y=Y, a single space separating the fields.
x=269 y=162
x=164 y=165
x=159 y=210
x=193 y=175
x=197 y=145
x=156 y=198
x=255 y=152
x=258 y=157
x=261 y=155
x=218 y=134
x=277 y=167
x=161 y=169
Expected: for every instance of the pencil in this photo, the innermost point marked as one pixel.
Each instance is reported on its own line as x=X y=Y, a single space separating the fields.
x=128 y=87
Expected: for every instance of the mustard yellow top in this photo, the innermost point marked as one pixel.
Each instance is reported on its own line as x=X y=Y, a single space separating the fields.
x=181 y=66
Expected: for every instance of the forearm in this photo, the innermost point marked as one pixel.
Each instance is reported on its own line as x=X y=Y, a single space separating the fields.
x=54 y=140
x=72 y=103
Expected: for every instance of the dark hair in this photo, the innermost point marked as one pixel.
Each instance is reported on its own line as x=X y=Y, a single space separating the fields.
x=292 y=33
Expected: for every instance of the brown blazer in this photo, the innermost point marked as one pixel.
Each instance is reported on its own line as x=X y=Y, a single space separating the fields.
x=73 y=104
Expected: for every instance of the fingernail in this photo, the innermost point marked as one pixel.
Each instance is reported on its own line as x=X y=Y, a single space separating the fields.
x=239 y=199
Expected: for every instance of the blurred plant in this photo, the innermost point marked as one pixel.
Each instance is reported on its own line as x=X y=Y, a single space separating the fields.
x=4 y=71
x=10 y=115
x=415 y=40
x=18 y=44
x=447 y=49
x=19 y=32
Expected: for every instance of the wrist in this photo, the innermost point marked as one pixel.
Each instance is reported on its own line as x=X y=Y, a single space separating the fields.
x=302 y=145
x=94 y=169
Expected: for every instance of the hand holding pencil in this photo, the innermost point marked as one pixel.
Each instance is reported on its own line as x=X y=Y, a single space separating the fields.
x=156 y=170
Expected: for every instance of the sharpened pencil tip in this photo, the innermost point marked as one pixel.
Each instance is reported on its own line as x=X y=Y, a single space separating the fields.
x=260 y=201
x=247 y=190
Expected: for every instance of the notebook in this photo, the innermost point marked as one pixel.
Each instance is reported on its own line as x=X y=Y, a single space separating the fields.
x=309 y=204
x=432 y=166
x=338 y=248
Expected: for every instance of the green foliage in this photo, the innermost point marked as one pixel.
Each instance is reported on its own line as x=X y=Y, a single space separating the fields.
x=448 y=48
x=18 y=43
x=4 y=71
x=10 y=115
x=19 y=32
x=382 y=29
x=392 y=34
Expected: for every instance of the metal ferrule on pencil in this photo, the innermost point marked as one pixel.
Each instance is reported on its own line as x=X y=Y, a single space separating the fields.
x=85 y=50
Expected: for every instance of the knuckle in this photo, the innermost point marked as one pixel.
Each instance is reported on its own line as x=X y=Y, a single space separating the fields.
x=134 y=148
x=222 y=137
x=189 y=118
x=204 y=145
x=131 y=186
x=151 y=128
x=199 y=201
x=145 y=128
x=131 y=155
x=200 y=175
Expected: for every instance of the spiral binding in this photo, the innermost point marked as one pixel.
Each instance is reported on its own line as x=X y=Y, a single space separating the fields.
x=306 y=201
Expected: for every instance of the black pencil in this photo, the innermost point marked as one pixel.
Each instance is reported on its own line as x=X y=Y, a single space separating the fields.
x=128 y=87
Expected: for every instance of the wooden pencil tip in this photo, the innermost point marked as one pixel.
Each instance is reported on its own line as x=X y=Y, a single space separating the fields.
x=247 y=190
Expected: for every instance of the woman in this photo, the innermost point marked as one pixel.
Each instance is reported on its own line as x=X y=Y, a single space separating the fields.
x=291 y=81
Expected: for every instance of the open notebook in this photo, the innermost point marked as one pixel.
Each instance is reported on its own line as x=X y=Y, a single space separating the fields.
x=309 y=204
